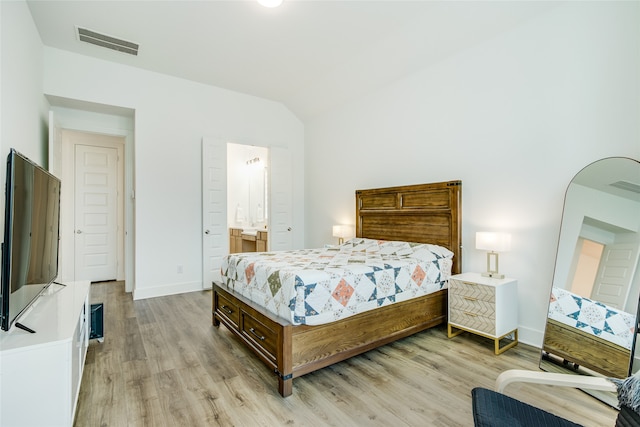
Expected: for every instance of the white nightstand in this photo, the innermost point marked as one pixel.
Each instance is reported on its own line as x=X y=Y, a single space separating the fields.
x=484 y=306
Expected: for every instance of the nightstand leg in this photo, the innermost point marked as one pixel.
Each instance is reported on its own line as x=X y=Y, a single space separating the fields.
x=451 y=333
x=500 y=350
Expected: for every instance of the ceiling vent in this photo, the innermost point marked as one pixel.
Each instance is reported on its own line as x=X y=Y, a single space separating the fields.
x=109 y=42
x=626 y=185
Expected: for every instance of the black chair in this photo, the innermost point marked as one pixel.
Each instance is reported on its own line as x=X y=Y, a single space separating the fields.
x=494 y=409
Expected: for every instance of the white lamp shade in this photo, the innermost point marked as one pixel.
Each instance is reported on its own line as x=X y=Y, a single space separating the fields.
x=496 y=242
x=342 y=231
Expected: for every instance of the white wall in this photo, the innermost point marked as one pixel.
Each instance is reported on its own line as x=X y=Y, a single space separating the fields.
x=515 y=118
x=171 y=118
x=23 y=108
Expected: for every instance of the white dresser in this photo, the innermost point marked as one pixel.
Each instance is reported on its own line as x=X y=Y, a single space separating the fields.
x=484 y=306
x=40 y=373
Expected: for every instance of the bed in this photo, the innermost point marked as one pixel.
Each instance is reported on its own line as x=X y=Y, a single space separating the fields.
x=425 y=213
x=604 y=334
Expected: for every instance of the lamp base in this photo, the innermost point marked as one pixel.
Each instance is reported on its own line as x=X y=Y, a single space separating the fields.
x=493 y=275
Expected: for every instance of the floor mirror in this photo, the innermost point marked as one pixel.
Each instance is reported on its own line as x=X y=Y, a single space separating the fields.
x=592 y=321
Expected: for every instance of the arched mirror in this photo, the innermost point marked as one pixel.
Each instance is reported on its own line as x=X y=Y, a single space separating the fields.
x=593 y=310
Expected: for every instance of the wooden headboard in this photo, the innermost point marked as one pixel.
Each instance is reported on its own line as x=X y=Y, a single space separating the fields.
x=423 y=213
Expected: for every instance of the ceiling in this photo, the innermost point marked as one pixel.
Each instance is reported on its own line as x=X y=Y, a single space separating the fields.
x=310 y=55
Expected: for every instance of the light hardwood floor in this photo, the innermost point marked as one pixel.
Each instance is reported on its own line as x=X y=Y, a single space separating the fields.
x=162 y=363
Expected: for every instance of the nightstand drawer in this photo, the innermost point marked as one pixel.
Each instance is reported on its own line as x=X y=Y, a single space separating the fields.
x=472 y=305
x=473 y=321
x=472 y=290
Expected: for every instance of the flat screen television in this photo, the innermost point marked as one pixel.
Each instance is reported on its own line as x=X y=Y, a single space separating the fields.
x=31 y=236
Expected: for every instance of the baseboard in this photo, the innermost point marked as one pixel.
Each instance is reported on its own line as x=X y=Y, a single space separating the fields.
x=532 y=337
x=168 y=289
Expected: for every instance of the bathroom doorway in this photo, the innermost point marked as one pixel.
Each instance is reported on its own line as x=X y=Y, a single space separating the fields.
x=247 y=187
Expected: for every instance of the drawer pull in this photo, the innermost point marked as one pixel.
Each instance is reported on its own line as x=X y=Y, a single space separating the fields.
x=468 y=313
x=227 y=309
x=471 y=298
x=470 y=283
x=260 y=337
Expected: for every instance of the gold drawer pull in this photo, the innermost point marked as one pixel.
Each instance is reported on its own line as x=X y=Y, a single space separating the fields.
x=468 y=313
x=227 y=309
x=471 y=298
x=470 y=283
x=260 y=337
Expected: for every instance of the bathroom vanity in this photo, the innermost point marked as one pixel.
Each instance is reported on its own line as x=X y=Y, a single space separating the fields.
x=247 y=240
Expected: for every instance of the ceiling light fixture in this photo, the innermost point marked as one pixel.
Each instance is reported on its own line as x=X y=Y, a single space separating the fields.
x=270 y=3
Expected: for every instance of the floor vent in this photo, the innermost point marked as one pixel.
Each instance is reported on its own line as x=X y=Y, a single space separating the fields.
x=109 y=42
x=626 y=185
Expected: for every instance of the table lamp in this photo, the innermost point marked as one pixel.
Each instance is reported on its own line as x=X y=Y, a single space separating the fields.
x=493 y=243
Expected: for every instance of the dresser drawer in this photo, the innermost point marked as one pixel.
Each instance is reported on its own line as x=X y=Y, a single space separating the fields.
x=472 y=290
x=472 y=305
x=262 y=332
x=228 y=309
x=473 y=321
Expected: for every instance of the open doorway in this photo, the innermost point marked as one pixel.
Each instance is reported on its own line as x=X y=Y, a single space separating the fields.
x=102 y=120
x=92 y=206
x=247 y=187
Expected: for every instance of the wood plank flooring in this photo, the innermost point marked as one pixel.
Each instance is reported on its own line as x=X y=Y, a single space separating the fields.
x=162 y=363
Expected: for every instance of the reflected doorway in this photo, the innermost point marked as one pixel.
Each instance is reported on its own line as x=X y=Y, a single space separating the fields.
x=589 y=254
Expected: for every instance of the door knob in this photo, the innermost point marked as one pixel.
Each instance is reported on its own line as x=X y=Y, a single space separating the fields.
x=78 y=231
x=207 y=232
x=288 y=228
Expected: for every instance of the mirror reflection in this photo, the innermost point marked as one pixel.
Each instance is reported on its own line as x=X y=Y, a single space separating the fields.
x=247 y=186
x=591 y=322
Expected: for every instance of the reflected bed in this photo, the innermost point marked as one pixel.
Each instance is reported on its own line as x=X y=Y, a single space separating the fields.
x=589 y=334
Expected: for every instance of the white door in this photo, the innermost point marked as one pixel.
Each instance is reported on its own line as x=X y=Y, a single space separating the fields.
x=618 y=264
x=96 y=219
x=215 y=239
x=281 y=207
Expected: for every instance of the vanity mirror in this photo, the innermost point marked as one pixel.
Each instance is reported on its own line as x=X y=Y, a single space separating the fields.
x=592 y=318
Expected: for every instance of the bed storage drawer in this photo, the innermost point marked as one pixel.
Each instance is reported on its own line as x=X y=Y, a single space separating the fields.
x=268 y=337
x=228 y=309
x=261 y=332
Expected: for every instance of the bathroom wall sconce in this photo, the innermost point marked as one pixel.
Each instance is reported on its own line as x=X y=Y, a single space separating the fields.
x=494 y=243
x=342 y=231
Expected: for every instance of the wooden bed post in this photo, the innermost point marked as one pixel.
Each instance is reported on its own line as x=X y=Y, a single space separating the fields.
x=285 y=362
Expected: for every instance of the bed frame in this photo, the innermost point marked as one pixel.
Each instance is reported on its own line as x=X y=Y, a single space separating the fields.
x=597 y=354
x=425 y=213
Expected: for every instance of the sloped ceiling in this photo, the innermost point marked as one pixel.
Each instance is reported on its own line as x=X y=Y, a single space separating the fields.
x=310 y=55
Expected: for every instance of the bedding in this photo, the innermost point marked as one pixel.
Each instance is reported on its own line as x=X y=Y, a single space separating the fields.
x=592 y=317
x=319 y=286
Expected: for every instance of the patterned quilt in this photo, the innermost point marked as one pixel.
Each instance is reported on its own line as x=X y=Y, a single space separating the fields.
x=593 y=317
x=316 y=286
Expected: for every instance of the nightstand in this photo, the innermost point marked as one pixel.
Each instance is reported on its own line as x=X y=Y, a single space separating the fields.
x=484 y=306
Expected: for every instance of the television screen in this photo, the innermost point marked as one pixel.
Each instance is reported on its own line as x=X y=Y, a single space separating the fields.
x=31 y=232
